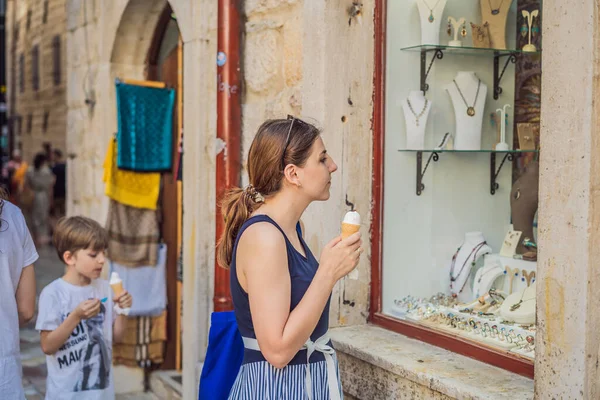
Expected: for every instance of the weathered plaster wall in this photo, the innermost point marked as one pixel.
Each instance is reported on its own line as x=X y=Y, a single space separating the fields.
x=568 y=298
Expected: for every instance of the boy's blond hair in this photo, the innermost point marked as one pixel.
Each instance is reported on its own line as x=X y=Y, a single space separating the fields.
x=78 y=233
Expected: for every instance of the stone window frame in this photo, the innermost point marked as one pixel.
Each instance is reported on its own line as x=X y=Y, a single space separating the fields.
x=435 y=337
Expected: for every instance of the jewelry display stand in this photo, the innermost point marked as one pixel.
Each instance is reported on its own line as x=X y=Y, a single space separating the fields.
x=495 y=13
x=486 y=277
x=527 y=134
x=468 y=94
x=502 y=145
x=529 y=18
x=474 y=246
x=416 y=110
x=431 y=19
x=519 y=307
x=507 y=282
x=510 y=243
x=457 y=28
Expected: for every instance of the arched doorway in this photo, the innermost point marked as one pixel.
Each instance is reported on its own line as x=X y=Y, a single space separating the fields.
x=148 y=48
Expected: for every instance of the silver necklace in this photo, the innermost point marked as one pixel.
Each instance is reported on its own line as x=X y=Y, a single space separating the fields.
x=470 y=109
x=431 y=18
x=414 y=113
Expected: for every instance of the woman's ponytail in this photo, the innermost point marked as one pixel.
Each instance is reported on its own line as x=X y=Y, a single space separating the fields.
x=237 y=206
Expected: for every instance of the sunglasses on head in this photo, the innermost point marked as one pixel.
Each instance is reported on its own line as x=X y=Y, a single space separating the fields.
x=287 y=139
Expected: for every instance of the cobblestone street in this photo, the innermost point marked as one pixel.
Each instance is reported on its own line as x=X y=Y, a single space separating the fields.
x=47 y=269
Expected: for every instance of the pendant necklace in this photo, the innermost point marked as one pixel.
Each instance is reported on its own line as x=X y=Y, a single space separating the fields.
x=470 y=109
x=431 y=19
x=516 y=306
x=495 y=11
x=414 y=113
x=452 y=266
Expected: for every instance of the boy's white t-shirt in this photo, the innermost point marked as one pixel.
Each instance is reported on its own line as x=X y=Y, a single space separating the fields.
x=81 y=368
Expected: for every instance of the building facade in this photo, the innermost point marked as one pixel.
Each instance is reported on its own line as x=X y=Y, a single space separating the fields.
x=350 y=67
x=36 y=61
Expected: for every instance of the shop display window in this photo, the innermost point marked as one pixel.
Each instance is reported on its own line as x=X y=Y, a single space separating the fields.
x=457 y=118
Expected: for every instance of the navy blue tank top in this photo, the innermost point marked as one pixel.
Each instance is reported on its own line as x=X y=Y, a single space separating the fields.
x=302 y=271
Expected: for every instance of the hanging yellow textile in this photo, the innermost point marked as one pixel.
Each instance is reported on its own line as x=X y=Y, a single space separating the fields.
x=127 y=187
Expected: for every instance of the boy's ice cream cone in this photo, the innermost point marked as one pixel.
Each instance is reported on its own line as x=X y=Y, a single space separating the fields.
x=350 y=224
x=116 y=283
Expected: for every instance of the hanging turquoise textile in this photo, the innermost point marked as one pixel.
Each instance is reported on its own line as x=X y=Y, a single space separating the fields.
x=145 y=125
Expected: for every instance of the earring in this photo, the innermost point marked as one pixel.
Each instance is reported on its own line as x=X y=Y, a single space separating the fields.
x=524 y=29
x=535 y=29
x=463 y=32
x=449 y=30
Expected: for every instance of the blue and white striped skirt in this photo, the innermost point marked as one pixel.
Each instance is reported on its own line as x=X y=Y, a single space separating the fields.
x=261 y=381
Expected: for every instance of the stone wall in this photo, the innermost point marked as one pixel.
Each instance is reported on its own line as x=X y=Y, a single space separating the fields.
x=42 y=111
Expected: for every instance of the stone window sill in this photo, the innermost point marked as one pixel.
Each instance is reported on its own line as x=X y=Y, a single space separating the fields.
x=440 y=370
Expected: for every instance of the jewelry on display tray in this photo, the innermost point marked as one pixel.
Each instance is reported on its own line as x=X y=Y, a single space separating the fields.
x=529 y=18
x=519 y=307
x=510 y=243
x=495 y=13
x=431 y=18
x=457 y=24
x=416 y=109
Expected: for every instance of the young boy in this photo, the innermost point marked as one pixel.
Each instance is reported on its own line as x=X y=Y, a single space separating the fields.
x=76 y=319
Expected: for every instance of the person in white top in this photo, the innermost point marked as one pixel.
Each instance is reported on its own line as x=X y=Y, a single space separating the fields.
x=17 y=294
x=77 y=316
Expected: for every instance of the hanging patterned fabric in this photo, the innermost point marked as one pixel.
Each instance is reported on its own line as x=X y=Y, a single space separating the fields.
x=127 y=187
x=133 y=235
x=145 y=125
x=143 y=343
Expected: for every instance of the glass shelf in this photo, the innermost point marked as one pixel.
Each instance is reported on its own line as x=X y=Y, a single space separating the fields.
x=468 y=151
x=464 y=50
x=506 y=155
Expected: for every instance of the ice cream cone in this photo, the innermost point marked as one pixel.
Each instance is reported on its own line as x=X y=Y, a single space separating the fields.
x=116 y=283
x=349 y=229
x=117 y=288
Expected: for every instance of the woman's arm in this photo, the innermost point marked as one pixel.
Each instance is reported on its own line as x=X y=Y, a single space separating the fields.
x=262 y=259
x=25 y=295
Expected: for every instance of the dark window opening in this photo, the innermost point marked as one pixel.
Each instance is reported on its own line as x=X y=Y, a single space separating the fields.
x=28 y=24
x=45 y=13
x=56 y=59
x=21 y=72
x=29 y=123
x=35 y=67
x=45 y=123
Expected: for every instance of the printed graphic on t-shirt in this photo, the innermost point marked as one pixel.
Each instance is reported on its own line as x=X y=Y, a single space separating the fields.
x=86 y=351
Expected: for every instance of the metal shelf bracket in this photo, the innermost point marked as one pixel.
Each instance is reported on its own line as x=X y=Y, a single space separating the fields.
x=494 y=173
x=511 y=58
x=421 y=172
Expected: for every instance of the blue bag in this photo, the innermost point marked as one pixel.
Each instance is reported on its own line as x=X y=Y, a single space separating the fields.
x=223 y=357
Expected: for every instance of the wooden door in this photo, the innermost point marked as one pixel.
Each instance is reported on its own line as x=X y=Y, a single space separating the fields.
x=171 y=217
